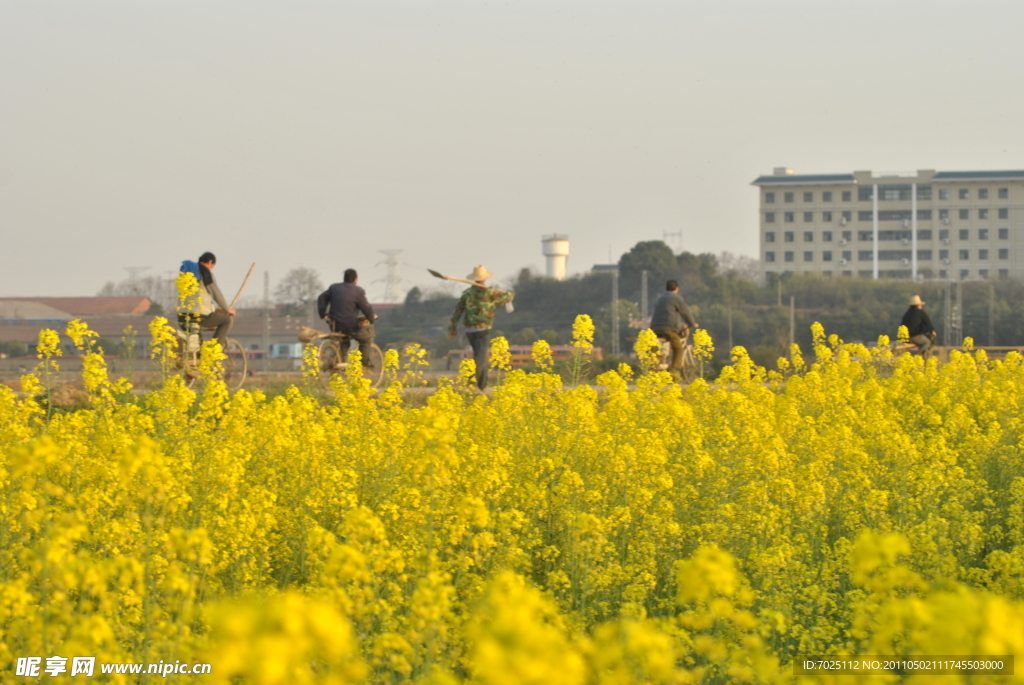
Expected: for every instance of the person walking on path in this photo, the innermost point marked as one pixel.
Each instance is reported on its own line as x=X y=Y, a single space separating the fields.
x=340 y=306
x=672 y=320
x=476 y=307
x=919 y=326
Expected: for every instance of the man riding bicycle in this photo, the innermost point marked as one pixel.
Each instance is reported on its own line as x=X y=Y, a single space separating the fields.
x=919 y=326
x=340 y=306
x=672 y=320
x=211 y=309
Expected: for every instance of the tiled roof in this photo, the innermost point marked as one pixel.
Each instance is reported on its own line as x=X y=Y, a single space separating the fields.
x=92 y=306
x=976 y=175
x=803 y=178
x=27 y=310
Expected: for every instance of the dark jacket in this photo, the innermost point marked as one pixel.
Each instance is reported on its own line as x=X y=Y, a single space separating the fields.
x=671 y=313
x=917 y=322
x=344 y=301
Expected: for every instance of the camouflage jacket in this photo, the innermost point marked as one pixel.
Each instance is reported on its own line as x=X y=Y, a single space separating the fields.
x=478 y=304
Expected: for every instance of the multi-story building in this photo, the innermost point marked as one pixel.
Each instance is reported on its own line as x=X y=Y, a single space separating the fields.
x=959 y=225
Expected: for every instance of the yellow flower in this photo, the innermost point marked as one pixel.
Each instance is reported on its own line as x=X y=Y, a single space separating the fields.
x=703 y=346
x=542 y=357
x=188 y=292
x=648 y=350
x=501 y=358
x=583 y=333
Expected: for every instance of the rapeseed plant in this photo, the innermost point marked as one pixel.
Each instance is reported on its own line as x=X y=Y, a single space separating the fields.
x=638 y=532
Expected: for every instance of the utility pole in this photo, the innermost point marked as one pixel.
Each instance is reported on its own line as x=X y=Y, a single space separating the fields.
x=643 y=295
x=615 y=312
x=778 y=285
x=266 y=321
x=730 y=328
x=947 y=314
x=991 y=314
x=792 y=324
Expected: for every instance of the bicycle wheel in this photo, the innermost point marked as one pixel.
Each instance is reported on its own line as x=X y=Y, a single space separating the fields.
x=689 y=371
x=373 y=367
x=236 y=365
x=329 y=357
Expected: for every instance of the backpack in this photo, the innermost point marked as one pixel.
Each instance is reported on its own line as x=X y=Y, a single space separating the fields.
x=190 y=267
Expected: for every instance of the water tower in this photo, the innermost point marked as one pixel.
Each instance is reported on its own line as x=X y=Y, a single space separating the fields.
x=556 y=249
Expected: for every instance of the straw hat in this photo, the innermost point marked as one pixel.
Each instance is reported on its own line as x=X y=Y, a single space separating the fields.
x=479 y=274
x=916 y=300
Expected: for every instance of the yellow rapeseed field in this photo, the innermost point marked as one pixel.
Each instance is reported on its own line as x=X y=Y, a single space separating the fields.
x=632 y=531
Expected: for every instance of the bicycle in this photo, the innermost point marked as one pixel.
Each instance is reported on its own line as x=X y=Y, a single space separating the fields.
x=331 y=360
x=690 y=370
x=236 y=362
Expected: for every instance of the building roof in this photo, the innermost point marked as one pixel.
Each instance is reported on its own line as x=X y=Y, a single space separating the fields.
x=91 y=306
x=793 y=179
x=977 y=175
x=28 y=310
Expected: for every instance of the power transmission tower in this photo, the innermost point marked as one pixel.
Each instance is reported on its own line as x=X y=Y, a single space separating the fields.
x=266 y=321
x=674 y=239
x=133 y=276
x=392 y=280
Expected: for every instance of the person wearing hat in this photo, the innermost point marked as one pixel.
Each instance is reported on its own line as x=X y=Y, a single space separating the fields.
x=476 y=308
x=919 y=326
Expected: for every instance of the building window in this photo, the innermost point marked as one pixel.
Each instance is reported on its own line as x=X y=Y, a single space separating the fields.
x=769 y=217
x=924 y=234
x=965 y=254
x=982 y=234
x=943 y=273
x=826 y=217
x=788 y=256
x=769 y=198
x=826 y=196
x=769 y=256
x=963 y=214
x=965 y=194
x=1004 y=213
x=826 y=256
x=1004 y=234
x=788 y=236
x=982 y=254
x=788 y=197
x=943 y=193
x=943 y=254
x=983 y=273
x=965 y=234
x=982 y=213
x=1004 y=193
x=1004 y=273
x=943 y=215
x=944 y=234
x=865 y=236
x=865 y=255
x=826 y=236
x=964 y=274
x=847 y=195
x=982 y=193
x=847 y=217
x=808 y=236
x=864 y=194
x=769 y=237
x=788 y=217
x=1004 y=253
x=808 y=217
x=808 y=197
x=808 y=256
x=847 y=255
x=847 y=236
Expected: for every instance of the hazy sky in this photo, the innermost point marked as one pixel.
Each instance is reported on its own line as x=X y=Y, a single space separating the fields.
x=316 y=133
